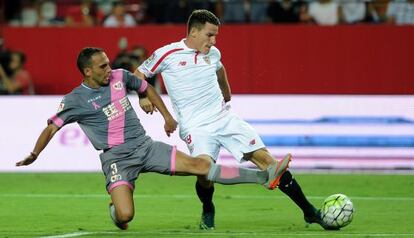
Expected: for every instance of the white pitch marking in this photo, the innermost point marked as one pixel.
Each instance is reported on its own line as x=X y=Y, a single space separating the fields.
x=75 y=234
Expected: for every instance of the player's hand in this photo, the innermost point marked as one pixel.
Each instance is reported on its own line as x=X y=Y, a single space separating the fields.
x=28 y=160
x=147 y=106
x=227 y=106
x=170 y=125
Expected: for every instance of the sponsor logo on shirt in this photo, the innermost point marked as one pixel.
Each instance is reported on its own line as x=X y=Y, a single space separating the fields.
x=94 y=99
x=112 y=111
x=118 y=85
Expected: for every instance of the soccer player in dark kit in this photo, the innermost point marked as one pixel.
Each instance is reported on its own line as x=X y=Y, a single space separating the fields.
x=102 y=109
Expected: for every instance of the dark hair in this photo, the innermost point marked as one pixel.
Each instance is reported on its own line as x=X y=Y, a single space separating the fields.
x=118 y=3
x=199 y=18
x=84 y=57
x=21 y=55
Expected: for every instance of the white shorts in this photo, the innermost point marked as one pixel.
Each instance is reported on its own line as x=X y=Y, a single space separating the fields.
x=230 y=131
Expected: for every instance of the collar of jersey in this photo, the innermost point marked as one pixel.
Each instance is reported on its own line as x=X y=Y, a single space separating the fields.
x=185 y=47
x=87 y=87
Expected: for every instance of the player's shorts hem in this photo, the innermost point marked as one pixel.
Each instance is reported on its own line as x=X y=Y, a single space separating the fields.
x=243 y=155
x=119 y=183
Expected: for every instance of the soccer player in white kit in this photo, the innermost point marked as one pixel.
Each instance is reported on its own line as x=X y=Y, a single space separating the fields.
x=101 y=107
x=197 y=84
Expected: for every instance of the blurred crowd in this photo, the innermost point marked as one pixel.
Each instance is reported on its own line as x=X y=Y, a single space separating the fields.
x=129 y=13
x=14 y=79
x=131 y=59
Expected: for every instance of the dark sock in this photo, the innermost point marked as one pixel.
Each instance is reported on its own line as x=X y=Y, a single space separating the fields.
x=206 y=197
x=290 y=187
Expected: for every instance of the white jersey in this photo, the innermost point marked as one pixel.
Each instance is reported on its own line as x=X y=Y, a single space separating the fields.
x=191 y=82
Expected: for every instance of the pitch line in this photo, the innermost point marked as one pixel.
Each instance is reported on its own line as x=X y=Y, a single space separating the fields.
x=186 y=196
x=75 y=234
x=213 y=233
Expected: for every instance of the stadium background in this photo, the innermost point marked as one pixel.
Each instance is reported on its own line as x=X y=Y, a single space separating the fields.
x=260 y=59
x=340 y=98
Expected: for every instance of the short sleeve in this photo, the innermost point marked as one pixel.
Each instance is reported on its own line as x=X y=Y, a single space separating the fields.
x=132 y=82
x=217 y=54
x=156 y=63
x=152 y=65
x=67 y=113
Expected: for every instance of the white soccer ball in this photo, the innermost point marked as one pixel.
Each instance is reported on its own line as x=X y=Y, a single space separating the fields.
x=337 y=211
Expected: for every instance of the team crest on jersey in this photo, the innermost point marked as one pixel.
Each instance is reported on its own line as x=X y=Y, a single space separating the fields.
x=149 y=60
x=207 y=59
x=118 y=85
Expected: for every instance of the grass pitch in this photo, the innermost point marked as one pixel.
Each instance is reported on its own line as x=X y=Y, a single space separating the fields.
x=63 y=205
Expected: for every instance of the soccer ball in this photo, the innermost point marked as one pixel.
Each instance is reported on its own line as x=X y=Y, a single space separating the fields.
x=337 y=211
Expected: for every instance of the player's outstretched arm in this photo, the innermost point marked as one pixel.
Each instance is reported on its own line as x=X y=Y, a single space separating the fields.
x=154 y=97
x=44 y=138
x=145 y=104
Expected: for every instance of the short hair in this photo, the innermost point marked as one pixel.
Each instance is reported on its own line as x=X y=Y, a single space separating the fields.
x=118 y=3
x=199 y=18
x=85 y=56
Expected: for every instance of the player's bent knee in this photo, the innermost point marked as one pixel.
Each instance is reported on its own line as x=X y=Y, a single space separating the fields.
x=198 y=166
x=125 y=215
x=187 y=164
x=203 y=165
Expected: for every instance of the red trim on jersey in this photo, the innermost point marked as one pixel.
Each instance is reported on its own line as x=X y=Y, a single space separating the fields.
x=163 y=57
x=195 y=56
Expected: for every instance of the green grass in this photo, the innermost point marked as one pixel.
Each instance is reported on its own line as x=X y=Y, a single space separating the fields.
x=53 y=204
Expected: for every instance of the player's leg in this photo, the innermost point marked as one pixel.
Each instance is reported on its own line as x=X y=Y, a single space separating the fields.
x=200 y=141
x=122 y=206
x=289 y=186
x=165 y=159
x=261 y=158
x=120 y=173
x=245 y=143
x=220 y=174
x=185 y=164
x=205 y=190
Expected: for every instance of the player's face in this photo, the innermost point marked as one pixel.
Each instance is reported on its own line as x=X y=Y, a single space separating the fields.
x=100 y=70
x=205 y=38
x=15 y=62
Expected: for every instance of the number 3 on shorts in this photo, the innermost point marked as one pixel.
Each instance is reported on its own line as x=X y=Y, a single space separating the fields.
x=114 y=169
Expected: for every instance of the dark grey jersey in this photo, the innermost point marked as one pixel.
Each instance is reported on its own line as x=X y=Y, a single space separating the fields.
x=105 y=114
